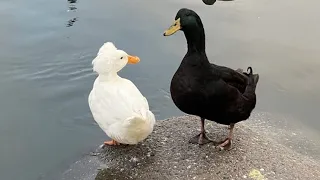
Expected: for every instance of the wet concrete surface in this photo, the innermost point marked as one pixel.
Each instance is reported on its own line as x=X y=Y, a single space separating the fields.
x=261 y=150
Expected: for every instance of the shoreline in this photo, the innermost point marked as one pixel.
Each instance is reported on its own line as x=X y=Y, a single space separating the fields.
x=258 y=153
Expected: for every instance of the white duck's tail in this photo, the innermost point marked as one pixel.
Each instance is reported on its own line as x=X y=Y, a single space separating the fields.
x=139 y=126
x=143 y=118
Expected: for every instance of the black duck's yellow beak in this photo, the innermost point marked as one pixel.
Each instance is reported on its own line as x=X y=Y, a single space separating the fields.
x=173 y=28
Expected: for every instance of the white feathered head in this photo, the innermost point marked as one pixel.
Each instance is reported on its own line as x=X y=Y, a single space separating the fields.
x=111 y=60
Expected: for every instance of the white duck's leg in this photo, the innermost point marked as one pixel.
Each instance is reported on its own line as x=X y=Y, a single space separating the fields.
x=200 y=138
x=111 y=143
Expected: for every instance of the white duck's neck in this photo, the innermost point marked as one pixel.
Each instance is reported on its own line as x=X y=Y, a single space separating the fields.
x=109 y=77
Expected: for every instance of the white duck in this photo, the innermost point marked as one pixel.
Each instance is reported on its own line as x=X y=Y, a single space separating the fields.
x=117 y=105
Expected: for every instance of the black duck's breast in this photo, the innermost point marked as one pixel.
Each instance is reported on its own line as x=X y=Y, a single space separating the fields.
x=187 y=87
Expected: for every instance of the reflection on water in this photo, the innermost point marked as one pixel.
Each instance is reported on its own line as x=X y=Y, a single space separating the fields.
x=72 y=1
x=72 y=21
x=72 y=8
x=72 y=5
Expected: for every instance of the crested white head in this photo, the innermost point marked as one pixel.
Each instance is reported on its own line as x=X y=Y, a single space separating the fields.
x=111 y=60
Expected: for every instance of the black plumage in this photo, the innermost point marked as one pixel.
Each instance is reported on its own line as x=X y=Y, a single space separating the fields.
x=210 y=91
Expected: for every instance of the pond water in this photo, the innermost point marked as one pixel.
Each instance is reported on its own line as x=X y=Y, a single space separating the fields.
x=47 y=47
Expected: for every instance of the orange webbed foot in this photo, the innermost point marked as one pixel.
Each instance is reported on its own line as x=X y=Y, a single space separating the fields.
x=111 y=143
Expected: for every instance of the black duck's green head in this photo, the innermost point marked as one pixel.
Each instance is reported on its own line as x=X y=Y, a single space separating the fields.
x=186 y=19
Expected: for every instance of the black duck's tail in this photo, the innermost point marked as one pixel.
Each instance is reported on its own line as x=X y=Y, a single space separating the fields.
x=252 y=79
x=250 y=92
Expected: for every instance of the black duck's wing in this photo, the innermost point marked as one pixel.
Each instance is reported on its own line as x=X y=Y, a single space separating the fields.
x=230 y=100
x=232 y=77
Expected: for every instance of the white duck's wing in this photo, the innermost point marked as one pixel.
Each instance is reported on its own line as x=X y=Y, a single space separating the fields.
x=108 y=105
x=139 y=101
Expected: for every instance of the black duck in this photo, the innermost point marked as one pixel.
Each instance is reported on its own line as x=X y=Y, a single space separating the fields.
x=212 y=92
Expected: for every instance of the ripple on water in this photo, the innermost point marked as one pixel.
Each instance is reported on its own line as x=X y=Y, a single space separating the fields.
x=76 y=68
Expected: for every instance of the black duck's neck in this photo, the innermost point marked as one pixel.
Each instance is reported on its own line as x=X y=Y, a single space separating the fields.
x=195 y=38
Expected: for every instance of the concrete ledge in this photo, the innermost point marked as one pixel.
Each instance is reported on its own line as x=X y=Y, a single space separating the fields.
x=166 y=154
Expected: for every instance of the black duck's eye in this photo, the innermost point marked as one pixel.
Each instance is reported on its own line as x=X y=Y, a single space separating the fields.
x=121 y=58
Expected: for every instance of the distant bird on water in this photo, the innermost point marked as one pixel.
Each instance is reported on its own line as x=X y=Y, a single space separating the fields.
x=211 y=2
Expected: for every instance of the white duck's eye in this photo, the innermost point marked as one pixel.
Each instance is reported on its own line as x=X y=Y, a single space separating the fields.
x=121 y=58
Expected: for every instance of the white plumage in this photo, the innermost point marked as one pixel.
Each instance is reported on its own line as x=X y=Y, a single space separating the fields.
x=117 y=105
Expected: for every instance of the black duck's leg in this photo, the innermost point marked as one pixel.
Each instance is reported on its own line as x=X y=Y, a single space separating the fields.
x=227 y=143
x=201 y=138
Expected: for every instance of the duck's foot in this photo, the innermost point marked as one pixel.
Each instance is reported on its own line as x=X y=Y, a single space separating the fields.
x=225 y=145
x=111 y=143
x=200 y=139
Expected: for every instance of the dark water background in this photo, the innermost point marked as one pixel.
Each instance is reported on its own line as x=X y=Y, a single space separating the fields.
x=47 y=47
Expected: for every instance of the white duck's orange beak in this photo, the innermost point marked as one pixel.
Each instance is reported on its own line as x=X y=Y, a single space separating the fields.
x=133 y=59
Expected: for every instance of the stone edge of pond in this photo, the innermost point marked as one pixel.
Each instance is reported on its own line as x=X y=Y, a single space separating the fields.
x=258 y=152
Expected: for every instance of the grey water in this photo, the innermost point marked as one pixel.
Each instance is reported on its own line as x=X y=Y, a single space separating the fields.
x=47 y=47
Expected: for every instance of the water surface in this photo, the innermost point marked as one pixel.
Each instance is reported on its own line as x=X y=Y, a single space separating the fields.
x=47 y=47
